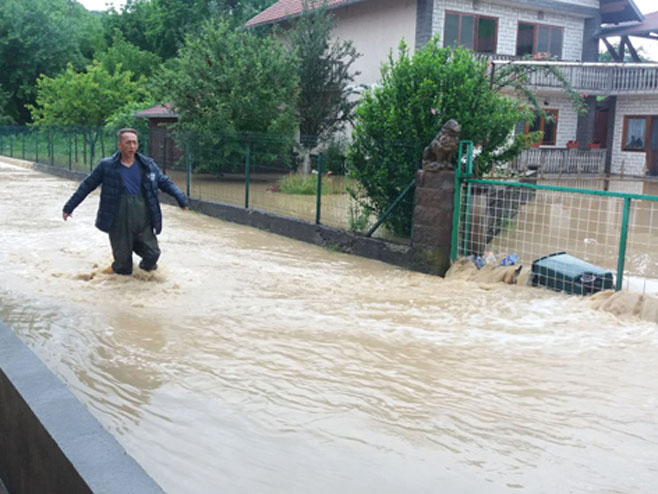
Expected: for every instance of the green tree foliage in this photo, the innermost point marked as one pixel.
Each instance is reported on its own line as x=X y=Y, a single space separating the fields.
x=86 y=99
x=129 y=57
x=605 y=56
x=125 y=117
x=227 y=82
x=324 y=67
x=39 y=37
x=160 y=26
x=415 y=97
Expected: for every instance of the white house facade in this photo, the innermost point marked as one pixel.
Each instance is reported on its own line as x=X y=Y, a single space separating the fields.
x=622 y=98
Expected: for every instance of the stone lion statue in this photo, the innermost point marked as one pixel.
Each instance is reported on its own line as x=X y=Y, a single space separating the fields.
x=438 y=155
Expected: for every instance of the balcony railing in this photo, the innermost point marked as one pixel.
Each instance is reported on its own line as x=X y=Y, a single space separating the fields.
x=561 y=160
x=592 y=78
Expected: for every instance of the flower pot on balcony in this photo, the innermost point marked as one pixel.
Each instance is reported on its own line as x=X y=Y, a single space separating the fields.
x=572 y=144
x=594 y=145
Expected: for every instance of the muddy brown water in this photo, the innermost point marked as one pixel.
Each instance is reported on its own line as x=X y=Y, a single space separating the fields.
x=253 y=363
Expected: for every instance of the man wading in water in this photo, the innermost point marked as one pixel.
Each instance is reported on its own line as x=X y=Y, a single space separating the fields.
x=129 y=209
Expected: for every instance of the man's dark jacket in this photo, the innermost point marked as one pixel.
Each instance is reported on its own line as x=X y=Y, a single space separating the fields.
x=107 y=173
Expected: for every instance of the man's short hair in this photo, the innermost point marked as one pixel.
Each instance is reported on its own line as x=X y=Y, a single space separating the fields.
x=127 y=130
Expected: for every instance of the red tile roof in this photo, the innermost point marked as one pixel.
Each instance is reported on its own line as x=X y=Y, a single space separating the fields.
x=284 y=9
x=159 y=111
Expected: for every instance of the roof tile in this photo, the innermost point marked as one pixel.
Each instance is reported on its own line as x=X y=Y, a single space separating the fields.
x=287 y=8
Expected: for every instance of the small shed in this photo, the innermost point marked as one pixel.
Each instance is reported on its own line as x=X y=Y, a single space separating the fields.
x=162 y=143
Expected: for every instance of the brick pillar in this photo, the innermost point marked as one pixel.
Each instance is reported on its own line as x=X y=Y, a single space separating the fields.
x=432 y=224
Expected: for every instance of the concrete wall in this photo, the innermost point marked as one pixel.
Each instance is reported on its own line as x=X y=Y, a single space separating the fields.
x=376 y=28
x=634 y=162
x=50 y=442
x=508 y=18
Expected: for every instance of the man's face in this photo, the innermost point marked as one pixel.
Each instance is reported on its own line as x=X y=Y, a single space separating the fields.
x=128 y=144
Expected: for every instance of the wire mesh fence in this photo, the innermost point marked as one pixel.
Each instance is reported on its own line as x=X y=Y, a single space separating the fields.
x=614 y=231
x=251 y=170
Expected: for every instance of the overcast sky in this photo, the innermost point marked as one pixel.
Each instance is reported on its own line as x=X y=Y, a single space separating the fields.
x=645 y=6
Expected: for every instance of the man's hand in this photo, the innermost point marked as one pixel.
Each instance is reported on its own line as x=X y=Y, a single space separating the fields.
x=185 y=208
x=65 y=215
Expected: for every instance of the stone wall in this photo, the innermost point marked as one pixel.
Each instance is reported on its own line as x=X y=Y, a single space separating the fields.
x=432 y=225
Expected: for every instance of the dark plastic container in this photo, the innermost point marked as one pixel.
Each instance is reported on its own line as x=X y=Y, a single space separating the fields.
x=563 y=272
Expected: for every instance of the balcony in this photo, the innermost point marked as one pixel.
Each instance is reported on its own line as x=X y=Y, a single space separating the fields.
x=590 y=77
x=560 y=161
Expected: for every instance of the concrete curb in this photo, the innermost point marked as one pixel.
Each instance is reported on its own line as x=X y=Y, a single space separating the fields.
x=50 y=442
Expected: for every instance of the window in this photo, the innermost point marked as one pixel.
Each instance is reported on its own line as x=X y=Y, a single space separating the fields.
x=537 y=38
x=546 y=125
x=475 y=32
x=635 y=133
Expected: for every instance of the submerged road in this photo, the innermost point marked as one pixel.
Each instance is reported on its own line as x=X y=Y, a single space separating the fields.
x=253 y=363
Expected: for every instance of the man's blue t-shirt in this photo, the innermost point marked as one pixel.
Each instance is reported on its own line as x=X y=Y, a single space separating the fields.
x=132 y=178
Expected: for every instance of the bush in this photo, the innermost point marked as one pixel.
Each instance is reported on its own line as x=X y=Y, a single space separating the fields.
x=334 y=156
x=231 y=89
x=414 y=98
x=302 y=185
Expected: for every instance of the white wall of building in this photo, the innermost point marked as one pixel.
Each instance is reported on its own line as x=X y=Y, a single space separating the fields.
x=633 y=162
x=376 y=28
x=509 y=18
x=566 y=119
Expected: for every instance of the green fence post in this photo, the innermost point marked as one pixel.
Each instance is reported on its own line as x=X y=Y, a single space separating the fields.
x=75 y=144
x=70 y=147
x=390 y=208
x=188 y=167
x=51 y=146
x=456 y=205
x=11 y=145
x=622 y=243
x=37 y=144
x=23 y=145
x=246 y=178
x=318 y=201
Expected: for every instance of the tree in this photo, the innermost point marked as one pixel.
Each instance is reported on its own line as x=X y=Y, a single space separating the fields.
x=414 y=98
x=129 y=57
x=606 y=56
x=227 y=82
x=324 y=68
x=85 y=99
x=160 y=26
x=40 y=37
x=5 y=118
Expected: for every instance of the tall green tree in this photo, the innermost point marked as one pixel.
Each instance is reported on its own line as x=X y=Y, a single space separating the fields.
x=160 y=26
x=415 y=97
x=228 y=81
x=326 y=77
x=39 y=37
x=122 y=53
x=85 y=99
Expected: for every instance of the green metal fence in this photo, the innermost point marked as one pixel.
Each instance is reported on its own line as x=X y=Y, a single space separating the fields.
x=613 y=229
x=251 y=170
x=76 y=148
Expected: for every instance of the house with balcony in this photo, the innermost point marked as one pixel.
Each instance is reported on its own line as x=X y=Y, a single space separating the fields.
x=619 y=132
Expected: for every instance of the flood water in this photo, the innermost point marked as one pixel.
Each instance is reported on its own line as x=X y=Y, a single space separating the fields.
x=251 y=363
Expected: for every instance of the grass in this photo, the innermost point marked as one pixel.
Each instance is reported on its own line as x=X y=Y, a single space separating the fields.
x=307 y=185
